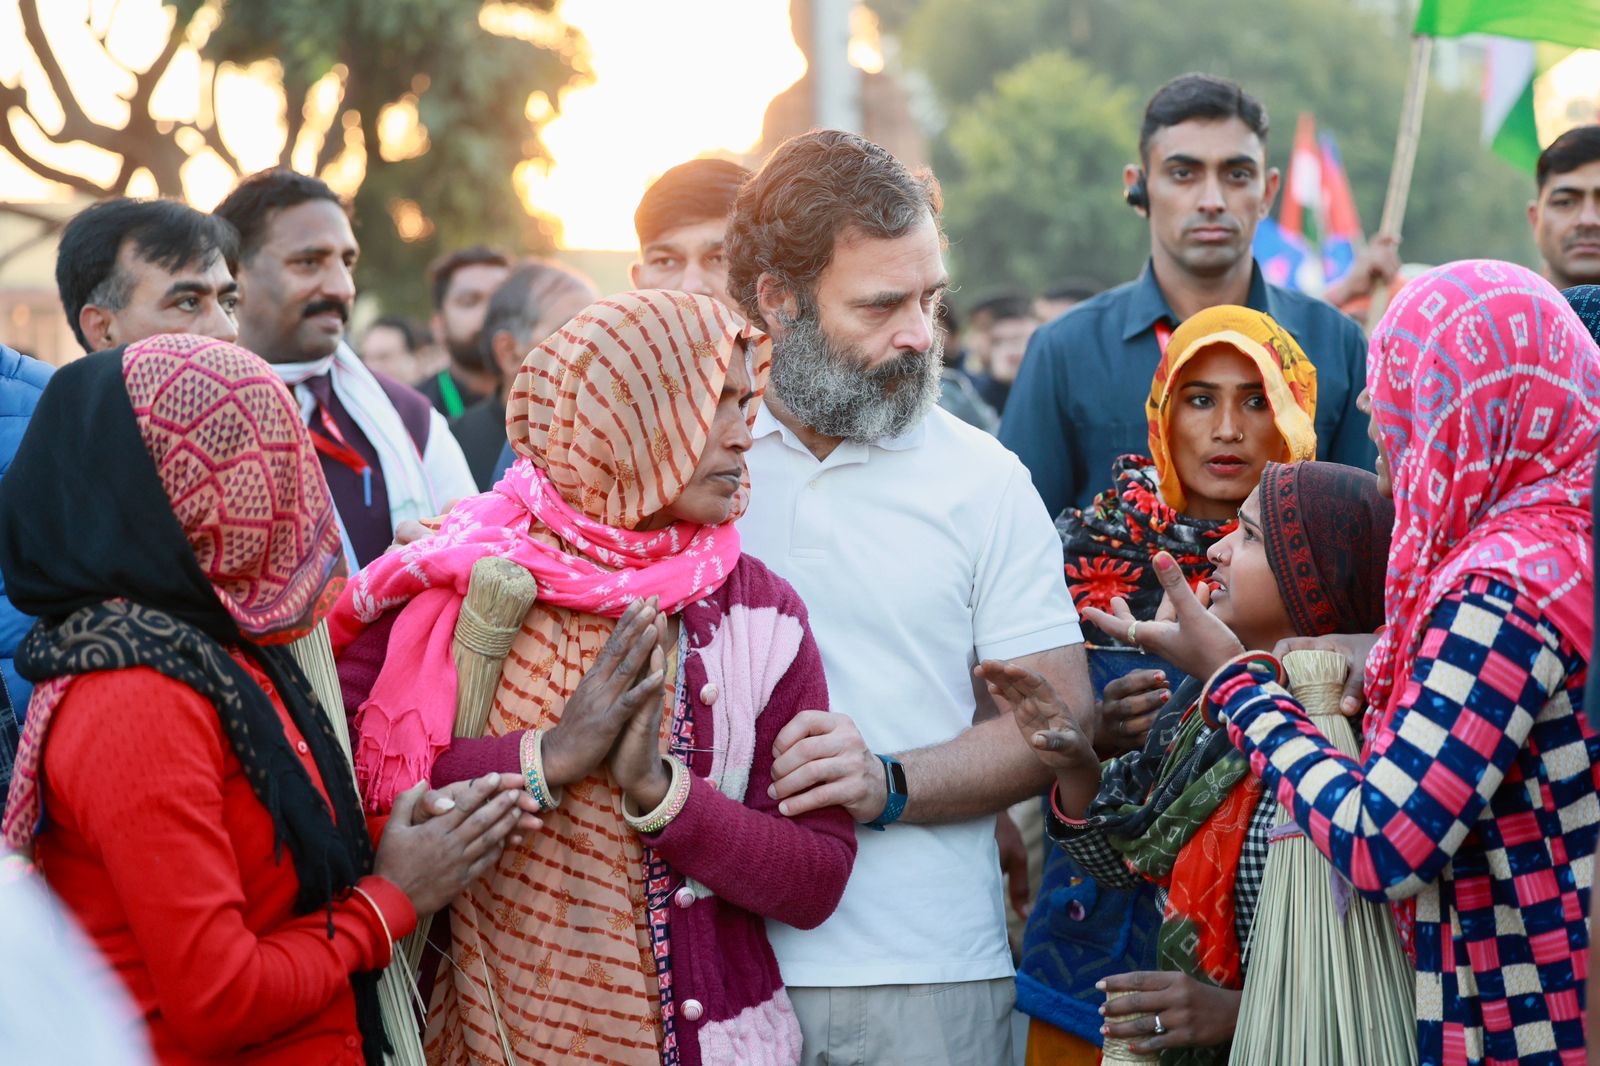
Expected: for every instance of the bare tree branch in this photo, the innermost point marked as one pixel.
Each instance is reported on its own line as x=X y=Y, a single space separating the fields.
x=76 y=126
x=213 y=132
x=8 y=141
x=27 y=211
x=295 y=92
x=140 y=141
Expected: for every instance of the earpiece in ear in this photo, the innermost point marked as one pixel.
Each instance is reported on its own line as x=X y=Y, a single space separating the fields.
x=1136 y=195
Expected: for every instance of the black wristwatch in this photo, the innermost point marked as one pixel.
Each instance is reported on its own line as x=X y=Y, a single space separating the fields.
x=894 y=779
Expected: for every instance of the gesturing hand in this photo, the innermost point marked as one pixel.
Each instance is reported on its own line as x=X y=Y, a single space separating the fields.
x=1049 y=729
x=1195 y=642
x=468 y=796
x=625 y=678
x=1192 y=1014
x=1059 y=741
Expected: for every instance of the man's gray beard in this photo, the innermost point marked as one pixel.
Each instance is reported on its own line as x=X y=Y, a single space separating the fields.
x=832 y=391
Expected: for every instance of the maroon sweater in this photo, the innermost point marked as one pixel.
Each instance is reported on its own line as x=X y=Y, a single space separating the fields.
x=757 y=863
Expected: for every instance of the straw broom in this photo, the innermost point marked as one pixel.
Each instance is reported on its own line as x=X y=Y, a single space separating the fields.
x=1322 y=988
x=499 y=594
x=396 y=985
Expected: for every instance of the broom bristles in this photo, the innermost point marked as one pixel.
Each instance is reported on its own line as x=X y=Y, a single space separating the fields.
x=314 y=655
x=1322 y=988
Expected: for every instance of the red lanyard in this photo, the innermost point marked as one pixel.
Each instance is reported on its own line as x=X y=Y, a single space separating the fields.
x=330 y=442
x=1163 y=334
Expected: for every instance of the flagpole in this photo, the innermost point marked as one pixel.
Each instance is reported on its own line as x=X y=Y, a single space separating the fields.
x=1405 y=147
x=1405 y=158
x=1407 y=138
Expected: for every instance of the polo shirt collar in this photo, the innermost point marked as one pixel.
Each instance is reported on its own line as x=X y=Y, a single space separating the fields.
x=1147 y=305
x=767 y=425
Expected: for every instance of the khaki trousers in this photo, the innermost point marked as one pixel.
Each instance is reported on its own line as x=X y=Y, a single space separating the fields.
x=967 y=1023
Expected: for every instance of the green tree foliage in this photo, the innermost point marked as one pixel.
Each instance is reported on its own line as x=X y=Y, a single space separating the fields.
x=472 y=89
x=1336 y=59
x=1035 y=191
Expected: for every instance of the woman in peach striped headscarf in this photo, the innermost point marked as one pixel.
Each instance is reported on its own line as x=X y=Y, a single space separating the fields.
x=641 y=700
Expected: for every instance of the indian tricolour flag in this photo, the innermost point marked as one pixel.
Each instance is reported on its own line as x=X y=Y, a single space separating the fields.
x=1515 y=61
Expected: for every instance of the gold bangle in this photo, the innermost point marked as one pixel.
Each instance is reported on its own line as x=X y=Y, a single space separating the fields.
x=669 y=807
x=531 y=750
x=382 y=921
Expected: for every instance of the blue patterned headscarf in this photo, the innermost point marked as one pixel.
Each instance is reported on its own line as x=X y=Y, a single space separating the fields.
x=1585 y=299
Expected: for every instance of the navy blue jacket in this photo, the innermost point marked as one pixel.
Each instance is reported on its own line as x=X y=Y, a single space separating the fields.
x=1078 y=402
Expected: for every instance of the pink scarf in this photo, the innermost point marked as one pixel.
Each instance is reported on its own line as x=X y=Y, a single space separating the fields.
x=408 y=718
x=1486 y=388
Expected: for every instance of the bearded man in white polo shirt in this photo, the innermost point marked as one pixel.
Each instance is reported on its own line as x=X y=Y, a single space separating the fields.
x=920 y=547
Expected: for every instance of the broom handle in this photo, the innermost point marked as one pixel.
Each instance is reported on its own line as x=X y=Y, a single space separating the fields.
x=499 y=593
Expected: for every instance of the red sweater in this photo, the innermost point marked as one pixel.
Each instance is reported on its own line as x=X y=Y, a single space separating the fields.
x=156 y=842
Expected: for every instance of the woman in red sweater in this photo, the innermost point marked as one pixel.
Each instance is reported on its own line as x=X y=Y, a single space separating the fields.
x=177 y=783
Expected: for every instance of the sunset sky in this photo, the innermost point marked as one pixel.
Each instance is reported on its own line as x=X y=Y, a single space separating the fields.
x=667 y=87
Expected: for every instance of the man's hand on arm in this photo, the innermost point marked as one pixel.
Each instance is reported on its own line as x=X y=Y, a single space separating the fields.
x=819 y=760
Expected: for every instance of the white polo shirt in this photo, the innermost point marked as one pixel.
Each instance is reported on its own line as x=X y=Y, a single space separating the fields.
x=915 y=557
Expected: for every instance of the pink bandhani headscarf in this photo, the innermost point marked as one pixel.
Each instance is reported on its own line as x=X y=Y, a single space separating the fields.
x=608 y=417
x=1486 y=389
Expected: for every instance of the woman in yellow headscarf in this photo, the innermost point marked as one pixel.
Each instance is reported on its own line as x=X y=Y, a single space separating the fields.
x=1233 y=391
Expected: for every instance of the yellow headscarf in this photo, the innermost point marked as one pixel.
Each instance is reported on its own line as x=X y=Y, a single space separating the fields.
x=1286 y=373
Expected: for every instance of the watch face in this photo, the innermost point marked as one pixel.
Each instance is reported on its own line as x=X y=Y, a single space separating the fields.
x=897 y=778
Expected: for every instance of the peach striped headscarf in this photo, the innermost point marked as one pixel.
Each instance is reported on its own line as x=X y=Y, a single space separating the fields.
x=612 y=413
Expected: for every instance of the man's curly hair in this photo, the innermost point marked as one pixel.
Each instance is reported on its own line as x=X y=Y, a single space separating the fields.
x=813 y=188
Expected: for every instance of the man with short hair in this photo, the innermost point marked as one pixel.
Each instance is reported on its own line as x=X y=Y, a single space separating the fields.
x=387 y=455
x=390 y=346
x=130 y=269
x=1009 y=321
x=461 y=283
x=681 y=221
x=1203 y=184
x=919 y=547
x=1565 y=214
x=536 y=299
x=1059 y=297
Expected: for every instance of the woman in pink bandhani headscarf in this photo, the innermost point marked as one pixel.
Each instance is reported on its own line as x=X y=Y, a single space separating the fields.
x=642 y=699
x=1474 y=804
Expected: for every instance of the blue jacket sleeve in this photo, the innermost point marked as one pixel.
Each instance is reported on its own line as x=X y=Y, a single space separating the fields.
x=1351 y=445
x=1035 y=422
x=21 y=381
